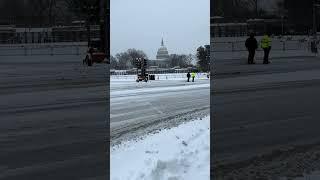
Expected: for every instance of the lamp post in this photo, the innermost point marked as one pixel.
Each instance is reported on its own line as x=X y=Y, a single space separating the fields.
x=102 y=17
x=208 y=60
x=314 y=42
x=256 y=8
x=107 y=28
x=207 y=49
x=282 y=25
x=90 y=19
x=51 y=6
x=314 y=22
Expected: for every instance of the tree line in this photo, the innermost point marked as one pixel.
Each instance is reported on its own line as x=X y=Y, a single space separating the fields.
x=298 y=13
x=43 y=13
x=245 y=9
x=126 y=60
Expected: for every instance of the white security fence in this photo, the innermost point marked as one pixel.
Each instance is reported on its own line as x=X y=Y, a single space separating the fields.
x=234 y=48
x=173 y=76
x=50 y=49
x=277 y=45
x=151 y=71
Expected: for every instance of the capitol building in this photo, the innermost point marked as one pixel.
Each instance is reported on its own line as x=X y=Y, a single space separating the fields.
x=162 y=53
x=162 y=58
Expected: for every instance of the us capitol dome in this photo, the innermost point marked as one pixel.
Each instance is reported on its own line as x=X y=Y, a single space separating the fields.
x=162 y=53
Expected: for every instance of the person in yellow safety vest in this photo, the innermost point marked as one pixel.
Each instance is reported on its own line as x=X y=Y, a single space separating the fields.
x=266 y=46
x=193 y=75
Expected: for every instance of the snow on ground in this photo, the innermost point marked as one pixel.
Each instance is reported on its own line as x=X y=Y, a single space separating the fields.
x=158 y=89
x=179 y=153
x=313 y=176
x=169 y=76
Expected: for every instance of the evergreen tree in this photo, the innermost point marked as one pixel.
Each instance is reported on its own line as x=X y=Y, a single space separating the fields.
x=203 y=57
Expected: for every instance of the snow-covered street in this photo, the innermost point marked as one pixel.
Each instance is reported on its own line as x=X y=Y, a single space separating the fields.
x=265 y=119
x=160 y=129
x=137 y=106
x=179 y=153
x=53 y=115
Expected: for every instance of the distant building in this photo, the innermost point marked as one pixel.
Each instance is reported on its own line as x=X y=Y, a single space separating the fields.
x=258 y=26
x=162 y=53
x=162 y=57
x=300 y=15
x=273 y=26
x=228 y=29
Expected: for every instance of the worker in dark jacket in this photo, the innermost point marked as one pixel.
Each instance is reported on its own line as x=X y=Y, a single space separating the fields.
x=188 y=76
x=251 y=45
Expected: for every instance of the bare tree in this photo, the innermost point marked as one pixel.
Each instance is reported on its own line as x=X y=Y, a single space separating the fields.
x=85 y=9
x=181 y=60
x=123 y=60
x=235 y=8
x=126 y=60
x=134 y=53
x=113 y=62
x=35 y=12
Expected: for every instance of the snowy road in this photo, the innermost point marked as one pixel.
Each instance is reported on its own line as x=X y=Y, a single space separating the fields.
x=135 y=105
x=262 y=110
x=53 y=118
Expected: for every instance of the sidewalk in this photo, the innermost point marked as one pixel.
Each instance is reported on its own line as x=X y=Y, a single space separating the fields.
x=285 y=64
x=266 y=81
x=243 y=54
x=231 y=75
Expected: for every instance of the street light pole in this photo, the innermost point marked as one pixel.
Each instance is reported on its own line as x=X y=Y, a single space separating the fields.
x=314 y=22
x=282 y=25
x=257 y=13
x=314 y=43
x=102 y=18
x=107 y=28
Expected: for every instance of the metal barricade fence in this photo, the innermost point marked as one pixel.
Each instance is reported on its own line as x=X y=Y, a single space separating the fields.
x=168 y=76
x=43 y=49
x=233 y=50
x=149 y=71
x=277 y=45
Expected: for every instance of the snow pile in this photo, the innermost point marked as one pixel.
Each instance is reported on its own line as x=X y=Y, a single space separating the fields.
x=180 y=153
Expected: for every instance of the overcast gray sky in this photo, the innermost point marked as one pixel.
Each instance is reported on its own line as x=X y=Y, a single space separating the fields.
x=140 y=24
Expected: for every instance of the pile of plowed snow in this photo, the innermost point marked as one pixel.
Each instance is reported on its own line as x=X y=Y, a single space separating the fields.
x=179 y=153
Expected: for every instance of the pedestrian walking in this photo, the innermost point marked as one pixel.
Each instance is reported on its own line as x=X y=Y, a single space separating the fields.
x=251 y=45
x=188 y=76
x=266 y=46
x=193 y=75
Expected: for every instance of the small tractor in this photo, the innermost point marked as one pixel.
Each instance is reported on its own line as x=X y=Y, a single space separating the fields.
x=142 y=77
